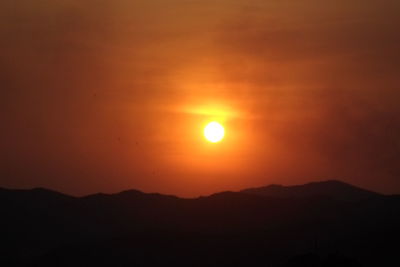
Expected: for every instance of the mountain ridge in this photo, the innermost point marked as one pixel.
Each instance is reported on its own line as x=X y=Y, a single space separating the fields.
x=330 y=188
x=316 y=189
x=39 y=227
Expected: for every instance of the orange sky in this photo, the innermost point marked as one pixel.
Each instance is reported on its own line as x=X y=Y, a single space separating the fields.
x=111 y=95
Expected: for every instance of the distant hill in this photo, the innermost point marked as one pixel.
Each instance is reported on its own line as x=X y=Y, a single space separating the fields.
x=307 y=225
x=332 y=188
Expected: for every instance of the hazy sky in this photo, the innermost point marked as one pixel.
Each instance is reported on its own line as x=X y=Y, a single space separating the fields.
x=111 y=95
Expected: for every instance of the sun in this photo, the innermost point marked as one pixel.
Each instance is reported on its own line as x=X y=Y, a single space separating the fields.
x=214 y=132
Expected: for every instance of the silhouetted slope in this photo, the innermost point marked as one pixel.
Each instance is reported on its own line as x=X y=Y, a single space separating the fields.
x=334 y=189
x=35 y=195
x=132 y=228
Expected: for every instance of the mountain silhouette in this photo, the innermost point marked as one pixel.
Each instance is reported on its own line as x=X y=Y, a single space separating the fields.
x=318 y=224
x=332 y=188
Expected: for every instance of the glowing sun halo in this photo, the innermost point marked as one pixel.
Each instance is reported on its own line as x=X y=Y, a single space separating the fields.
x=214 y=132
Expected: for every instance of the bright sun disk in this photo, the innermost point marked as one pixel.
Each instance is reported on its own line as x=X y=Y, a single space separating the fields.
x=214 y=132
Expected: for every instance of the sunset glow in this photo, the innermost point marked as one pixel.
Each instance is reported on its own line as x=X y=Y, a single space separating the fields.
x=195 y=97
x=200 y=133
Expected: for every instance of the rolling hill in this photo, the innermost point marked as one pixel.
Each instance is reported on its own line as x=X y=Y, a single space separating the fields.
x=326 y=224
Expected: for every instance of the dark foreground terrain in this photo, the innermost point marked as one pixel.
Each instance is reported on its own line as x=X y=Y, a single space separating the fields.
x=319 y=224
